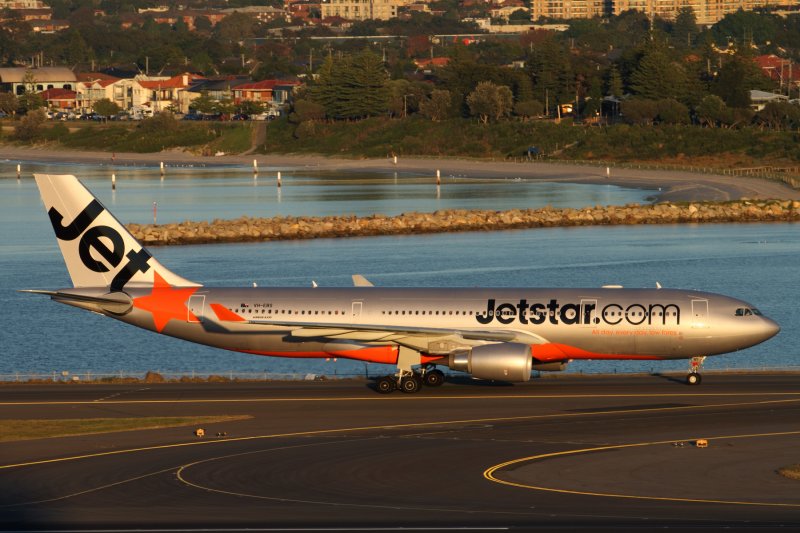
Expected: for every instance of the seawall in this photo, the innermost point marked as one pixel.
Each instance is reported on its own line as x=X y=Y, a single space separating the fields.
x=246 y=229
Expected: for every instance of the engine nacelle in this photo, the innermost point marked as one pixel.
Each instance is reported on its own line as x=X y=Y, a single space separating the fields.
x=504 y=361
x=559 y=366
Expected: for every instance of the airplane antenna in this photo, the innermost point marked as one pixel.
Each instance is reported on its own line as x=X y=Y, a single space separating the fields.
x=255 y=284
x=658 y=285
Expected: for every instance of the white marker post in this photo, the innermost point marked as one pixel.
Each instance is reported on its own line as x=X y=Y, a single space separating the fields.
x=255 y=169
x=279 y=180
x=438 y=178
x=155 y=212
x=19 y=171
x=394 y=159
x=162 y=170
x=113 y=182
x=608 y=172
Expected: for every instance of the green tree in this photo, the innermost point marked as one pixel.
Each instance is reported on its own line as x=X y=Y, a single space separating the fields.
x=204 y=103
x=106 y=107
x=352 y=87
x=77 y=51
x=528 y=109
x=614 y=82
x=712 y=111
x=248 y=107
x=779 y=116
x=639 y=111
x=437 y=107
x=658 y=77
x=306 y=110
x=489 y=101
x=737 y=77
x=671 y=111
x=235 y=27
x=684 y=30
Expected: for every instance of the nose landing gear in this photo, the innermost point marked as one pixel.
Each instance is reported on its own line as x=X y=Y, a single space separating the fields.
x=694 y=377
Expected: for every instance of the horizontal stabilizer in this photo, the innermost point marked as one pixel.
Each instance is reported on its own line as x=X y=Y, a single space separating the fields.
x=117 y=303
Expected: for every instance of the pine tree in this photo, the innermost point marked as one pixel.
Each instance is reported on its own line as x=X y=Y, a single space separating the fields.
x=658 y=77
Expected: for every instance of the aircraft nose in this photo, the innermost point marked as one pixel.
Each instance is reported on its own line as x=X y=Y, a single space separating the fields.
x=769 y=328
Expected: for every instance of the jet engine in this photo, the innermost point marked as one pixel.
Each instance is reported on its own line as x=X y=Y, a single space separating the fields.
x=505 y=361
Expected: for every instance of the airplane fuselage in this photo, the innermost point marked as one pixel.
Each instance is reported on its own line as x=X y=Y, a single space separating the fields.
x=583 y=323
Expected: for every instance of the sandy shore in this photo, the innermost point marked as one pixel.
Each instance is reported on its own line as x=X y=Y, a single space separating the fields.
x=667 y=185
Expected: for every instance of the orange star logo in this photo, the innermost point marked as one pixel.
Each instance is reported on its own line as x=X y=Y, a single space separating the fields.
x=166 y=303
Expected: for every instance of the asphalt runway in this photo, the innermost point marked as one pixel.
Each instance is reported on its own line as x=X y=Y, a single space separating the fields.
x=559 y=453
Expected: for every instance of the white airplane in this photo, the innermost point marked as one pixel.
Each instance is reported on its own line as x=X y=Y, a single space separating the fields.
x=494 y=334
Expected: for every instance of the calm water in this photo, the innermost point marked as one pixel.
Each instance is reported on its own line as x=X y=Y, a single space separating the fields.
x=756 y=262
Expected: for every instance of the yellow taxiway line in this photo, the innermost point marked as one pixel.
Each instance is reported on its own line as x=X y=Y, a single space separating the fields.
x=392 y=427
x=404 y=398
x=489 y=473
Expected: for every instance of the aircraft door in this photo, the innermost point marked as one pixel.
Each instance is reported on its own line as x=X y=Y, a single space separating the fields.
x=356 y=315
x=195 y=308
x=699 y=313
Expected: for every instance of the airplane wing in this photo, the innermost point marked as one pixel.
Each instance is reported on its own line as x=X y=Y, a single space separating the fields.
x=378 y=332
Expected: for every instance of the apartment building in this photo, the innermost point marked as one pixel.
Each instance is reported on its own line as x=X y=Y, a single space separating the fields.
x=707 y=11
x=363 y=9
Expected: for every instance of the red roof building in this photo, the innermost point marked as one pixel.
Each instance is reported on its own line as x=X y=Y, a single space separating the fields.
x=263 y=92
x=433 y=62
x=779 y=69
x=59 y=98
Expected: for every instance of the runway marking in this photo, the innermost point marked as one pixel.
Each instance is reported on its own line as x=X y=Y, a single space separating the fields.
x=403 y=398
x=489 y=473
x=385 y=427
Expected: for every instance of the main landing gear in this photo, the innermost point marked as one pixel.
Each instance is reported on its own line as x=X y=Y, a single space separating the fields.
x=694 y=377
x=411 y=382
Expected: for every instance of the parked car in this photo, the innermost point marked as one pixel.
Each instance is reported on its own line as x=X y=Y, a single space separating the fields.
x=193 y=116
x=240 y=116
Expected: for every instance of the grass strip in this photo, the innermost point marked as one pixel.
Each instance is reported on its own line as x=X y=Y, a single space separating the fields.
x=16 y=430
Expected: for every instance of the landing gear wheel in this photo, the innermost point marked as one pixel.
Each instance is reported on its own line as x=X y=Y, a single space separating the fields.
x=434 y=378
x=693 y=379
x=385 y=385
x=410 y=385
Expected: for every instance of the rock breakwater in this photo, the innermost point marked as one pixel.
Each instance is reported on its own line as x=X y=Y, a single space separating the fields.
x=246 y=229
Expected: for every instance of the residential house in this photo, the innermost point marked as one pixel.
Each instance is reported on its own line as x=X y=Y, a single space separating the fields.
x=781 y=70
x=94 y=86
x=160 y=93
x=303 y=9
x=759 y=99
x=271 y=93
x=60 y=99
x=504 y=12
x=49 y=26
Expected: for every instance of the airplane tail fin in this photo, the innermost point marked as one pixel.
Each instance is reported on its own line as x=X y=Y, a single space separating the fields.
x=97 y=248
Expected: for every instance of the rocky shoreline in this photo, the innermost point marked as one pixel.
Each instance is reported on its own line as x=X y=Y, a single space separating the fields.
x=246 y=229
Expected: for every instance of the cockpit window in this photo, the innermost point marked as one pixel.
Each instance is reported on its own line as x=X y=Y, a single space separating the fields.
x=747 y=311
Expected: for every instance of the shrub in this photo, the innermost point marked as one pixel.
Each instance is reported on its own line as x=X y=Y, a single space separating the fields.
x=30 y=126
